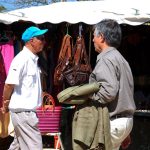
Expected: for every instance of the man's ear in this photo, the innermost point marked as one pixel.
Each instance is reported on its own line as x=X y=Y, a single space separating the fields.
x=101 y=38
x=31 y=39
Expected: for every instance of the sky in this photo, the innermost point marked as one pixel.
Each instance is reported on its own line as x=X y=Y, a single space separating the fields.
x=8 y=5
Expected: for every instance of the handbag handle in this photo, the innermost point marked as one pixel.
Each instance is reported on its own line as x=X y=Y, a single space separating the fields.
x=65 y=57
x=80 y=53
x=48 y=100
x=66 y=47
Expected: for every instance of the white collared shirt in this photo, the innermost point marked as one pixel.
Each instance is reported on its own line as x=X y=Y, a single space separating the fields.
x=24 y=73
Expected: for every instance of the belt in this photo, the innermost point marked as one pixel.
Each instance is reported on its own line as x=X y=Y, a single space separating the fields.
x=119 y=116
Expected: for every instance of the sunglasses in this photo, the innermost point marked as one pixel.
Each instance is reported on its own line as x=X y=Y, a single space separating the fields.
x=41 y=38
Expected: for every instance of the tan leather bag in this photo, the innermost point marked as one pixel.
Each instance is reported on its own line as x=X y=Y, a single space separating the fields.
x=78 y=73
x=73 y=64
x=63 y=60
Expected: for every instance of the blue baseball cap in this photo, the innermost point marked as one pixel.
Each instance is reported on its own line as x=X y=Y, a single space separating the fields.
x=31 y=32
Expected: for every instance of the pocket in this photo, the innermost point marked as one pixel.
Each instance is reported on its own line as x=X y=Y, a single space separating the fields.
x=32 y=119
x=30 y=79
x=118 y=128
x=87 y=116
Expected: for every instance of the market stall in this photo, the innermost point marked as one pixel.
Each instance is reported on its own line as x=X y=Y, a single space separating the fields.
x=90 y=12
x=65 y=17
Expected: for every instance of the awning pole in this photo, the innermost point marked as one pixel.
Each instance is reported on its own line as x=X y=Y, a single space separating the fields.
x=90 y=40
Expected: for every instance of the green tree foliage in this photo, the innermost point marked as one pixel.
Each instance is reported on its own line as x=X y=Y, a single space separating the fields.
x=2 y=8
x=26 y=3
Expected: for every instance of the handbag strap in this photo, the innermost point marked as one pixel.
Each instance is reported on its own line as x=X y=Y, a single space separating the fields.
x=80 y=53
x=85 y=56
x=65 y=57
x=77 y=51
x=47 y=99
x=66 y=48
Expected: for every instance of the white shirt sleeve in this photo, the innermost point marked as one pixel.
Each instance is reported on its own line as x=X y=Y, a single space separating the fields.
x=14 y=73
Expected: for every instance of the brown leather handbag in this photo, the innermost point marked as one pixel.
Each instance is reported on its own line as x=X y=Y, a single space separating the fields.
x=64 y=59
x=80 y=70
x=73 y=65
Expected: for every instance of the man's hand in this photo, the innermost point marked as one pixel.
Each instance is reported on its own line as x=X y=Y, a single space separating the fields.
x=7 y=92
x=127 y=141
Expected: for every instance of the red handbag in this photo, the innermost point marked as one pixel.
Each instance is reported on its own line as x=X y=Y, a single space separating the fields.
x=49 y=115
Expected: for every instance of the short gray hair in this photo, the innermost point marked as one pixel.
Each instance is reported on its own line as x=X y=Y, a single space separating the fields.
x=110 y=30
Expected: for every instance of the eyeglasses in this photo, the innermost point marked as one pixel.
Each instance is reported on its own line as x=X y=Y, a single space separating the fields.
x=41 y=38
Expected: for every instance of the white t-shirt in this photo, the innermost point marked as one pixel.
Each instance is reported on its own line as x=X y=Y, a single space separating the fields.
x=24 y=73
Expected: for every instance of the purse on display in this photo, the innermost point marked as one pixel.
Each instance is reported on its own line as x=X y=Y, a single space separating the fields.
x=63 y=59
x=49 y=115
x=73 y=63
x=78 y=73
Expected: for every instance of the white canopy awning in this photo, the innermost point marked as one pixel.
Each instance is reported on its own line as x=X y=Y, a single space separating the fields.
x=133 y=12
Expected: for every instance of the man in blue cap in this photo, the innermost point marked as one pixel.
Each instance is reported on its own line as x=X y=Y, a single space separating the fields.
x=22 y=93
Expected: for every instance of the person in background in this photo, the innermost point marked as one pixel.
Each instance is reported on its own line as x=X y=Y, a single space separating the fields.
x=113 y=72
x=22 y=93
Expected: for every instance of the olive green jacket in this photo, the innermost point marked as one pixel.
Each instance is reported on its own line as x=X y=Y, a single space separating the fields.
x=91 y=127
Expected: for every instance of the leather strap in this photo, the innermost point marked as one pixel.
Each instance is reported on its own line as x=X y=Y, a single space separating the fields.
x=65 y=56
x=70 y=56
x=66 y=48
x=80 y=54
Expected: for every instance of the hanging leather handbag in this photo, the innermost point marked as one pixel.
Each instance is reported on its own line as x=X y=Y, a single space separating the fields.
x=49 y=115
x=78 y=73
x=64 y=59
